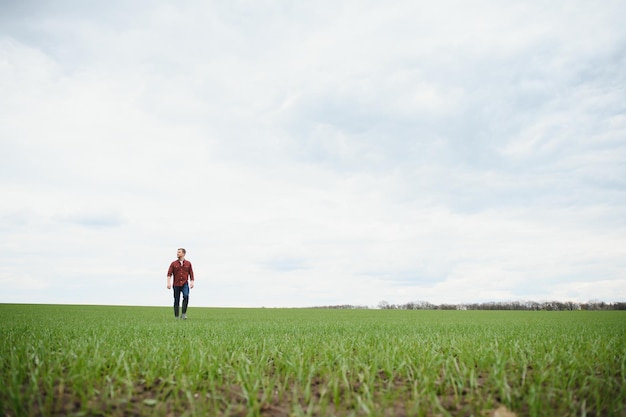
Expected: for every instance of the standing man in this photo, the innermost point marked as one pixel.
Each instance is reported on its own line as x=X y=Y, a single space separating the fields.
x=182 y=272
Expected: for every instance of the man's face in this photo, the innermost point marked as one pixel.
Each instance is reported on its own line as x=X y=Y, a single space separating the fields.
x=180 y=254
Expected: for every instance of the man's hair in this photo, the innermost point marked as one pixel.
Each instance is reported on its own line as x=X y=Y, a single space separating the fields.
x=183 y=249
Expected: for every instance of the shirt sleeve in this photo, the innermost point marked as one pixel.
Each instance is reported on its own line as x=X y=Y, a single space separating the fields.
x=170 y=272
x=191 y=271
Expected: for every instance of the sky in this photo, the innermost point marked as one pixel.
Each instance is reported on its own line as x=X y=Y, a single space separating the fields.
x=313 y=153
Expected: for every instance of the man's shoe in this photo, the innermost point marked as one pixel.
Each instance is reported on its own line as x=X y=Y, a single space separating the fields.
x=184 y=317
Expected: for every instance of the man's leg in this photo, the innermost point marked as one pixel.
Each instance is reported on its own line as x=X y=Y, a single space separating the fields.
x=185 y=290
x=177 y=291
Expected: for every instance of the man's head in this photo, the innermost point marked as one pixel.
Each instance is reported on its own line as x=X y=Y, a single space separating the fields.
x=181 y=253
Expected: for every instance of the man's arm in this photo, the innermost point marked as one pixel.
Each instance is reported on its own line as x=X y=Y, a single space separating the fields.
x=191 y=279
x=169 y=277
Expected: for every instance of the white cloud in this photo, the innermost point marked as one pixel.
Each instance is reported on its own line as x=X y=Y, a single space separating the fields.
x=308 y=155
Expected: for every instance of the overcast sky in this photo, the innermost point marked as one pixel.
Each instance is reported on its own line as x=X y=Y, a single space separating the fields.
x=313 y=153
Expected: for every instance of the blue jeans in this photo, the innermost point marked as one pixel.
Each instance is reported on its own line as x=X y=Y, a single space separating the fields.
x=177 y=290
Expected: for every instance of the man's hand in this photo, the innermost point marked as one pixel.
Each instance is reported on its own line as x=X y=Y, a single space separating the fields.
x=191 y=284
x=169 y=286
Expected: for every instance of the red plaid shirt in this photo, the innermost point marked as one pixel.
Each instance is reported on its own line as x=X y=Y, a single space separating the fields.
x=180 y=272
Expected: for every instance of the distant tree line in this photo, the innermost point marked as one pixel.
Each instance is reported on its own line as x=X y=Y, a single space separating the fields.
x=493 y=305
x=508 y=305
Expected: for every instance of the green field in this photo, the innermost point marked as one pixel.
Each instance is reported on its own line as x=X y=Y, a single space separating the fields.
x=98 y=360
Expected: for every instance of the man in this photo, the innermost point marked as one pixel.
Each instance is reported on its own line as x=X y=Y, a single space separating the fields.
x=182 y=272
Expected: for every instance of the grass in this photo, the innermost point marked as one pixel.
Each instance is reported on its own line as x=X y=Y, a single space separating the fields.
x=103 y=360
